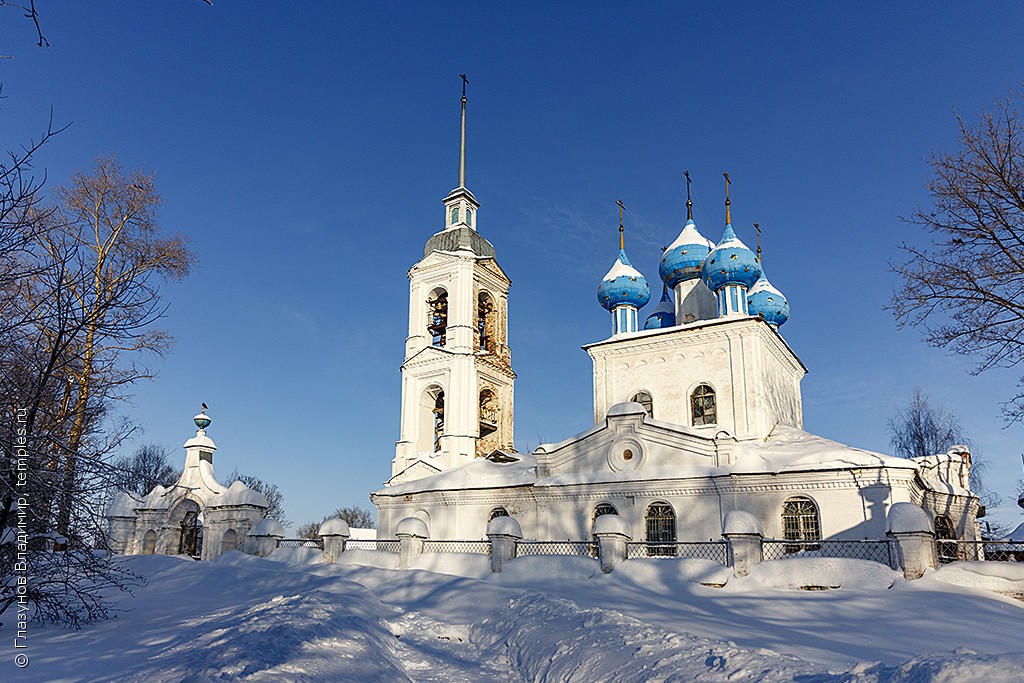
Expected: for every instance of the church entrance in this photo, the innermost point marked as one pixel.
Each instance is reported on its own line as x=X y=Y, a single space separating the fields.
x=190 y=528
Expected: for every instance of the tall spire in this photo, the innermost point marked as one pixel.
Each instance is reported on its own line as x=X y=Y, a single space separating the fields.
x=622 y=230
x=689 y=202
x=728 y=215
x=462 y=137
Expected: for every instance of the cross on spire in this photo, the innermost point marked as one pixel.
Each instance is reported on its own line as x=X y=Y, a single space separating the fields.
x=689 y=202
x=728 y=214
x=622 y=230
x=462 y=136
x=757 y=229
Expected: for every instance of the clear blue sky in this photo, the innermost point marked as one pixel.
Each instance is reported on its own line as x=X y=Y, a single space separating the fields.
x=305 y=148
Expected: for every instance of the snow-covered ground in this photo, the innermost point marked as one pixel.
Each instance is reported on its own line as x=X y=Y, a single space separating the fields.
x=242 y=618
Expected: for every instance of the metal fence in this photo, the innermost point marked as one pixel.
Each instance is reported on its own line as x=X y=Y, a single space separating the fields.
x=992 y=551
x=301 y=543
x=716 y=551
x=383 y=546
x=876 y=551
x=581 y=548
x=476 y=547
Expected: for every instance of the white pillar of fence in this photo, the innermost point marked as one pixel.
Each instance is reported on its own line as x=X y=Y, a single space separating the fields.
x=504 y=534
x=912 y=529
x=262 y=539
x=742 y=532
x=411 y=532
x=335 y=533
x=613 y=539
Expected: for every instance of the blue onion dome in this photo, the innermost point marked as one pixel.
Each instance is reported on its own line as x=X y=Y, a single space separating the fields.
x=664 y=314
x=684 y=258
x=623 y=285
x=731 y=263
x=769 y=303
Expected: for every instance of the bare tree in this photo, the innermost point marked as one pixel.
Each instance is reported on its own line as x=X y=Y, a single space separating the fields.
x=149 y=466
x=79 y=312
x=273 y=494
x=919 y=428
x=966 y=288
x=354 y=515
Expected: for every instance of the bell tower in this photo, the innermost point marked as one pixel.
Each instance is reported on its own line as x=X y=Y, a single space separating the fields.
x=457 y=378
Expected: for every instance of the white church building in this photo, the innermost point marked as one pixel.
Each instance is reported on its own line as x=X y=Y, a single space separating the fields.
x=697 y=410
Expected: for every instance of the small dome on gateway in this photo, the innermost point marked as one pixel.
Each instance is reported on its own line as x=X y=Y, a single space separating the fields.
x=623 y=284
x=768 y=302
x=731 y=263
x=664 y=314
x=684 y=258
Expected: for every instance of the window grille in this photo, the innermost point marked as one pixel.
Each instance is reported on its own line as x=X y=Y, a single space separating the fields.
x=646 y=400
x=661 y=529
x=800 y=523
x=497 y=512
x=702 y=405
x=604 y=509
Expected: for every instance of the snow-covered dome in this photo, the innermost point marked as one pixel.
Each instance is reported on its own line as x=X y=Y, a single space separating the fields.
x=768 y=302
x=267 y=527
x=740 y=522
x=663 y=315
x=412 y=526
x=623 y=284
x=907 y=518
x=731 y=263
x=202 y=420
x=611 y=524
x=504 y=526
x=123 y=505
x=335 y=526
x=684 y=258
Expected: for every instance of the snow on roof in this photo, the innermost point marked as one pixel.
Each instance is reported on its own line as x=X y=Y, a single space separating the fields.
x=1017 y=535
x=690 y=235
x=335 y=526
x=239 y=494
x=789 y=449
x=478 y=474
x=267 y=526
x=620 y=269
x=123 y=505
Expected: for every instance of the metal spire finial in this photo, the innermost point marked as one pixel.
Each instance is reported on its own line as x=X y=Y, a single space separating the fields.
x=622 y=230
x=757 y=229
x=689 y=202
x=462 y=138
x=728 y=214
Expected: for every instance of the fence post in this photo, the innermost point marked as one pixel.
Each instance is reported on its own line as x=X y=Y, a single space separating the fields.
x=915 y=539
x=613 y=539
x=504 y=533
x=411 y=533
x=263 y=538
x=335 y=533
x=743 y=534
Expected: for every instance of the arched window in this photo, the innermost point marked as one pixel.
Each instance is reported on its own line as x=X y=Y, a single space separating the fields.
x=488 y=422
x=800 y=523
x=455 y=215
x=945 y=535
x=645 y=399
x=437 y=316
x=229 y=541
x=469 y=217
x=438 y=419
x=661 y=529
x=497 y=512
x=485 y=318
x=604 y=509
x=149 y=543
x=702 y=406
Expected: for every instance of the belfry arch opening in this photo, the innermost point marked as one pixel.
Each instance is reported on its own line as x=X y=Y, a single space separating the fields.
x=486 y=323
x=431 y=420
x=490 y=415
x=437 y=316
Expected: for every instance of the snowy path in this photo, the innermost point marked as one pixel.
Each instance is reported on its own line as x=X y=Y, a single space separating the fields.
x=247 y=619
